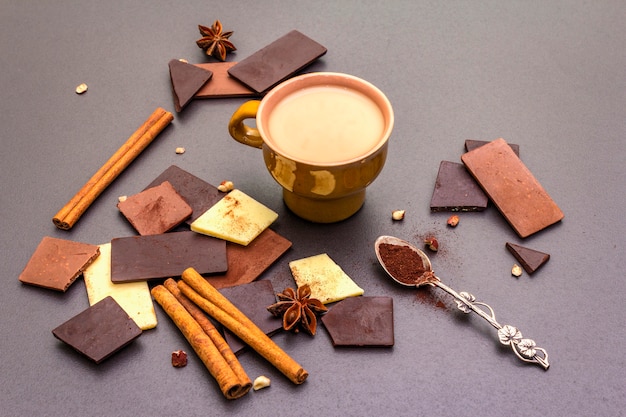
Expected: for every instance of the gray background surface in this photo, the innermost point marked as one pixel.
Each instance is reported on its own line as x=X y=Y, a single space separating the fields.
x=547 y=75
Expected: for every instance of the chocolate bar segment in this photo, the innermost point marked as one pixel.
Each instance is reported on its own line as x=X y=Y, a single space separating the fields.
x=222 y=85
x=361 y=321
x=456 y=190
x=99 y=331
x=512 y=187
x=471 y=144
x=277 y=61
x=530 y=259
x=199 y=194
x=56 y=263
x=155 y=210
x=140 y=258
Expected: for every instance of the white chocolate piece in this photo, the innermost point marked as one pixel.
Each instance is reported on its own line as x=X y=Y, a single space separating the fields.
x=261 y=382
x=133 y=297
x=328 y=282
x=236 y=218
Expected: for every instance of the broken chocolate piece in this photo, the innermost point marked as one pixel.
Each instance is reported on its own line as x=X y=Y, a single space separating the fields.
x=361 y=321
x=471 y=144
x=530 y=259
x=456 y=190
x=199 y=194
x=252 y=300
x=277 y=61
x=512 y=187
x=155 y=210
x=99 y=331
x=247 y=263
x=221 y=84
x=186 y=80
x=56 y=263
x=140 y=258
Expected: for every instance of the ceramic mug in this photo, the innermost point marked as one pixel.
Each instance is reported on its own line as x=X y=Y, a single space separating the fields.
x=324 y=138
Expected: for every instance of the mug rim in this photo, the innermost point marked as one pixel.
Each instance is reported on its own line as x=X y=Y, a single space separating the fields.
x=380 y=100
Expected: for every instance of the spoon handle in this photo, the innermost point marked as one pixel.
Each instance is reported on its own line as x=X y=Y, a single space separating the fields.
x=524 y=348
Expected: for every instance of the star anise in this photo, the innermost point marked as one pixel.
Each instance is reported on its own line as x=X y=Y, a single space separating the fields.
x=298 y=309
x=214 y=41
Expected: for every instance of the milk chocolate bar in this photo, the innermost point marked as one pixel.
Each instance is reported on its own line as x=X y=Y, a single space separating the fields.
x=277 y=61
x=222 y=84
x=99 y=331
x=139 y=258
x=512 y=187
x=471 y=144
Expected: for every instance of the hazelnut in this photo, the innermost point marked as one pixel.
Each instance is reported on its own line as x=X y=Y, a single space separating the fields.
x=226 y=186
x=180 y=150
x=516 y=271
x=453 y=220
x=179 y=358
x=81 y=88
x=261 y=382
x=432 y=243
x=397 y=214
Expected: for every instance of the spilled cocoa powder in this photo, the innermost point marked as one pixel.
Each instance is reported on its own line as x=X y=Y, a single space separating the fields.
x=404 y=264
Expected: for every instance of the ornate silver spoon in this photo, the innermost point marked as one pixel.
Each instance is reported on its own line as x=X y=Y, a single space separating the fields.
x=409 y=266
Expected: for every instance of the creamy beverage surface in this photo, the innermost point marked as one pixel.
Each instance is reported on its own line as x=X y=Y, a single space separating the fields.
x=325 y=124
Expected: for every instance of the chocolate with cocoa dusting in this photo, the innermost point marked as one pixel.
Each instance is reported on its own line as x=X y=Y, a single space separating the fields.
x=404 y=264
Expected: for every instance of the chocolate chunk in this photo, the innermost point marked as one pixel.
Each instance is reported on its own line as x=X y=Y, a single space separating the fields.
x=99 y=331
x=221 y=84
x=155 y=210
x=247 y=263
x=186 y=80
x=361 y=321
x=456 y=190
x=277 y=61
x=199 y=194
x=252 y=299
x=140 y=258
x=56 y=263
x=530 y=259
x=471 y=144
x=512 y=187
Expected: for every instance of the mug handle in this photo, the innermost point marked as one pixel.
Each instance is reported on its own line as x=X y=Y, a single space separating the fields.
x=239 y=130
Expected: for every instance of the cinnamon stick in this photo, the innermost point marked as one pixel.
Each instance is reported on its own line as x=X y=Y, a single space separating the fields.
x=147 y=132
x=210 y=331
x=201 y=343
x=205 y=296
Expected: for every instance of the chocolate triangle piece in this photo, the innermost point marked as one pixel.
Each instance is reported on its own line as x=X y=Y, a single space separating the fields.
x=187 y=80
x=530 y=259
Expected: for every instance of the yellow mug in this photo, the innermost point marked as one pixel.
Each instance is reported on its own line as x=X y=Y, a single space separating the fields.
x=324 y=138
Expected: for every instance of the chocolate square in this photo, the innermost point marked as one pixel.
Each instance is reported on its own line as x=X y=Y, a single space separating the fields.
x=56 y=263
x=139 y=258
x=361 y=321
x=511 y=186
x=456 y=190
x=155 y=210
x=199 y=194
x=252 y=300
x=99 y=331
x=277 y=61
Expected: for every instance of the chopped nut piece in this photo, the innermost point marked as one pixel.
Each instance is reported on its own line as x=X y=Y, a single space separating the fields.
x=180 y=150
x=398 y=214
x=122 y=198
x=453 y=220
x=226 y=186
x=179 y=358
x=81 y=88
x=183 y=60
x=432 y=243
x=261 y=382
x=516 y=271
